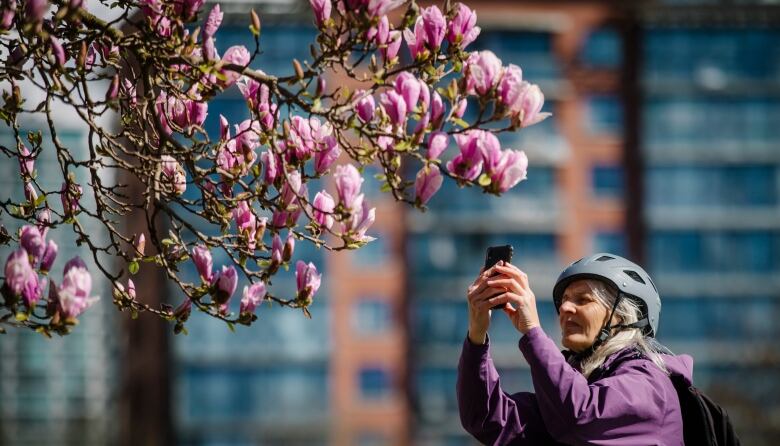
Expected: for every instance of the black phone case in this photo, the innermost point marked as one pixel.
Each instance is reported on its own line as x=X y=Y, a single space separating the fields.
x=493 y=255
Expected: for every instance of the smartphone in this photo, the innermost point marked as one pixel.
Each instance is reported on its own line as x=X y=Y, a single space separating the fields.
x=493 y=255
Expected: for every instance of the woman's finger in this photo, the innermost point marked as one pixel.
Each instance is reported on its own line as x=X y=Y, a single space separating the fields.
x=515 y=273
x=507 y=283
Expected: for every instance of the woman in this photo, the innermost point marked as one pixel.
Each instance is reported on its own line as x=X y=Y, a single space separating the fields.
x=610 y=387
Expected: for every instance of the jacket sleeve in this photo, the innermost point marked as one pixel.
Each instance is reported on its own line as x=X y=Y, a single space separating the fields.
x=487 y=412
x=613 y=410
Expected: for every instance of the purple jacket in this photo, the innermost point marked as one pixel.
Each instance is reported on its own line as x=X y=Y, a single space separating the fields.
x=628 y=401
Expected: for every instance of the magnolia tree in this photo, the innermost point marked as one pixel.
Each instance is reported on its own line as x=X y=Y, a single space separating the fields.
x=245 y=192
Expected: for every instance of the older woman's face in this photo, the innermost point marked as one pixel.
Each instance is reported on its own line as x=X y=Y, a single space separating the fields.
x=581 y=316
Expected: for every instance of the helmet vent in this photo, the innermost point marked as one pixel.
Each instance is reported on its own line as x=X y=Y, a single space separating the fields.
x=604 y=258
x=653 y=284
x=634 y=275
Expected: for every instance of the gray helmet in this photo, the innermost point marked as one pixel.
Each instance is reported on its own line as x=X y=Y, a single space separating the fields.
x=626 y=276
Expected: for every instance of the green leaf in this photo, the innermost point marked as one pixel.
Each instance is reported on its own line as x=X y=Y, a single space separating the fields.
x=167 y=242
x=385 y=187
x=40 y=200
x=460 y=122
x=231 y=326
x=133 y=313
x=133 y=267
x=21 y=317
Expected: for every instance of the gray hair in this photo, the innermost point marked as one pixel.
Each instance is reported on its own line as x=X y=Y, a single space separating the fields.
x=627 y=312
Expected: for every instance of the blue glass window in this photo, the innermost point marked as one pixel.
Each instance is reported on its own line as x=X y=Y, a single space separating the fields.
x=692 y=185
x=375 y=383
x=607 y=181
x=605 y=115
x=744 y=319
x=372 y=316
x=737 y=251
x=704 y=123
x=602 y=49
x=693 y=54
x=613 y=242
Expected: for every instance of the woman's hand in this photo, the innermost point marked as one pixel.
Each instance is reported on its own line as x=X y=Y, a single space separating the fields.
x=518 y=297
x=479 y=314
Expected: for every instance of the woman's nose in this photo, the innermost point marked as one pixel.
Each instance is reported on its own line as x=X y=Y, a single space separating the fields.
x=567 y=307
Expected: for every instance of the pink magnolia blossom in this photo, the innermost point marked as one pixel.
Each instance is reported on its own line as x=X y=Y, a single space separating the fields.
x=277 y=249
x=291 y=188
x=460 y=109
x=365 y=105
x=348 y=184
x=488 y=144
x=289 y=247
x=7 y=14
x=483 y=71
x=73 y=294
x=247 y=139
x=43 y=218
x=213 y=21
x=113 y=89
x=224 y=128
x=323 y=207
x=437 y=109
x=511 y=85
x=36 y=9
x=201 y=256
x=307 y=280
x=182 y=112
x=425 y=96
x=32 y=241
x=408 y=87
x=434 y=26
x=131 y=289
x=226 y=282
x=511 y=170
x=49 y=255
x=437 y=144
x=427 y=183
x=18 y=271
x=415 y=40
x=395 y=107
x=246 y=223
x=461 y=29
x=75 y=262
x=33 y=289
x=173 y=176
x=29 y=193
x=322 y=9
x=271 y=163
x=70 y=194
x=363 y=216
x=529 y=104
x=252 y=297
x=140 y=244
x=300 y=140
x=237 y=55
x=26 y=162
x=327 y=154
x=378 y=8
x=58 y=52
x=390 y=49
x=468 y=163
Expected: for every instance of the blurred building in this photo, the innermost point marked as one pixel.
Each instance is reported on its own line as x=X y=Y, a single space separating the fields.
x=61 y=389
x=662 y=147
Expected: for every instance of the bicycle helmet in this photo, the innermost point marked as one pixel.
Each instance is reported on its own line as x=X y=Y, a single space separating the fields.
x=626 y=276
